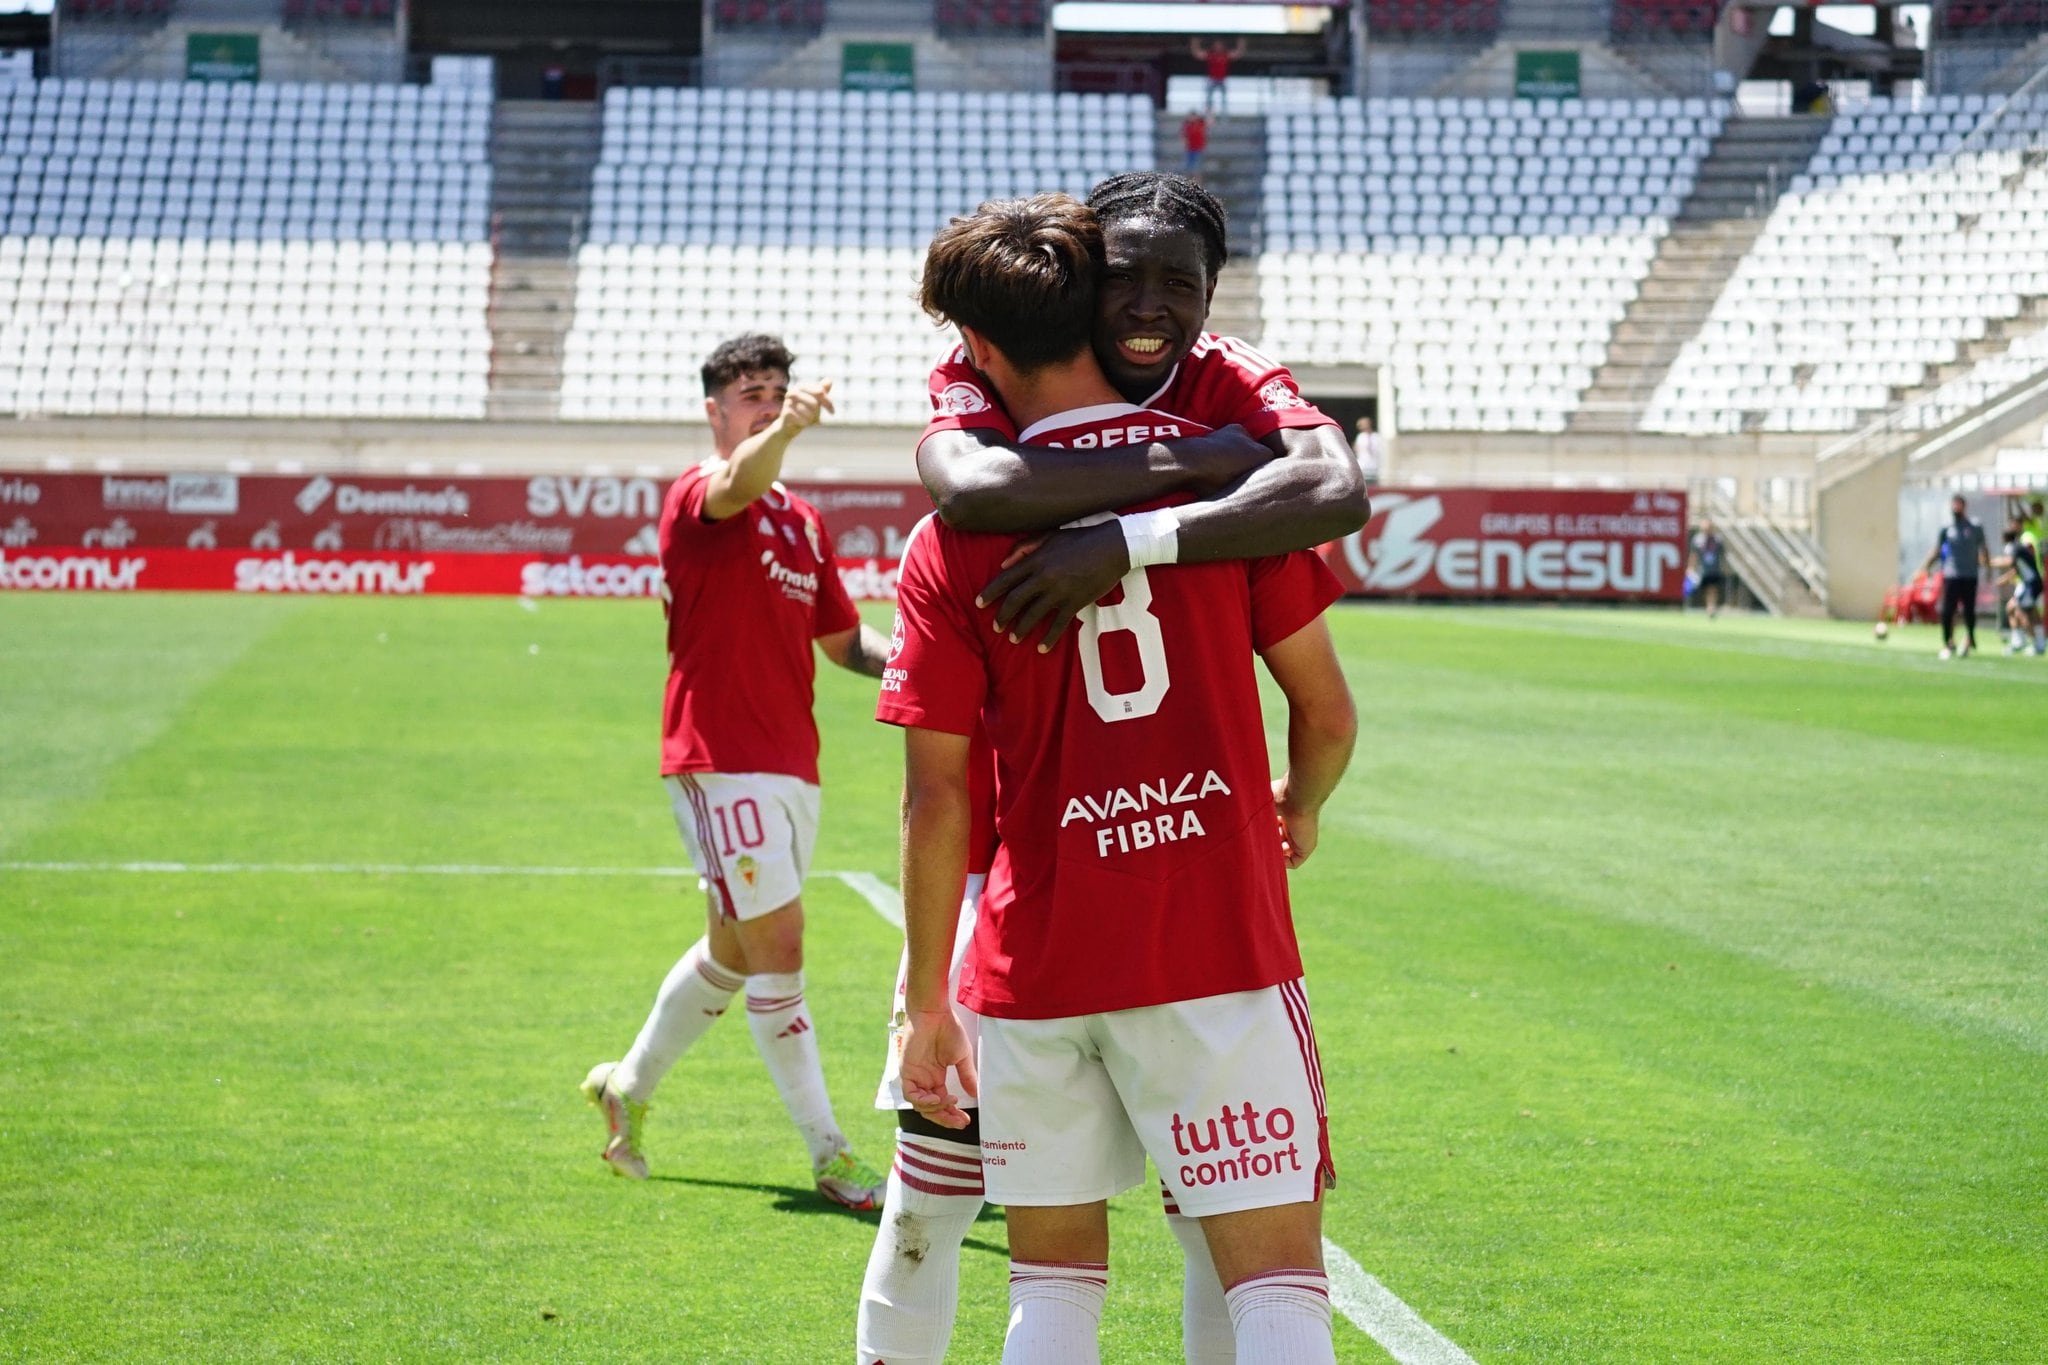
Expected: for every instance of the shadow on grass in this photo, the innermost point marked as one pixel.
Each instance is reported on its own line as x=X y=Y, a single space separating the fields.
x=791 y=1199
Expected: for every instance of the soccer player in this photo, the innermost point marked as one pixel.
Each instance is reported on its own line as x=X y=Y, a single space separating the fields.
x=750 y=583
x=1134 y=963
x=1281 y=479
x=2022 y=566
x=1276 y=474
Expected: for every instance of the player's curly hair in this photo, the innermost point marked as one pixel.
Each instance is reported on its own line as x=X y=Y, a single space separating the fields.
x=1022 y=272
x=1166 y=198
x=750 y=354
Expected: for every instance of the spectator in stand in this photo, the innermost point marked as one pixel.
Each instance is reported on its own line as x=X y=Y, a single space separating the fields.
x=1194 y=135
x=1709 y=568
x=1960 y=551
x=1216 y=60
x=1371 y=449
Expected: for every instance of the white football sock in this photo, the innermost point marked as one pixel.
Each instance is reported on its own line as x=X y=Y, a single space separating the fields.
x=692 y=997
x=1206 y=1334
x=789 y=1045
x=1055 y=1310
x=912 y=1289
x=1283 y=1318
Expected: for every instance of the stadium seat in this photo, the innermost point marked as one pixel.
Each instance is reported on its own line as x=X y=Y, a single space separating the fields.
x=1911 y=232
x=691 y=239
x=177 y=249
x=1483 y=249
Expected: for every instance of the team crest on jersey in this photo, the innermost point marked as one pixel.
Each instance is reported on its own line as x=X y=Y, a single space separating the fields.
x=959 y=399
x=749 y=870
x=1277 y=394
x=811 y=534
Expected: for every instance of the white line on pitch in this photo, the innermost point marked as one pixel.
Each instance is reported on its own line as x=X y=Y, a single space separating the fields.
x=1370 y=1306
x=871 y=888
x=1375 y=1310
x=349 y=869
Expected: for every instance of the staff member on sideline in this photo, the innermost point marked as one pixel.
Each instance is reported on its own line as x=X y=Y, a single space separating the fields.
x=1961 y=553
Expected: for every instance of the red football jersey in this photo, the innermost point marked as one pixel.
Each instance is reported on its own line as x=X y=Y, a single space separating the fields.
x=1139 y=862
x=746 y=596
x=1222 y=382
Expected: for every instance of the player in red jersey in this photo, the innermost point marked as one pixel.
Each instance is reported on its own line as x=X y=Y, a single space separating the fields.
x=1279 y=479
x=751 y=583
x=1135 y=961
x=1276 y=476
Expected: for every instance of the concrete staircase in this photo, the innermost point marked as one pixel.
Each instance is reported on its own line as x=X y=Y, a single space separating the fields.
x=1234 y=311
x=1737 y=185
x=1233 y=169
x=1999 y=335
x=543 y=153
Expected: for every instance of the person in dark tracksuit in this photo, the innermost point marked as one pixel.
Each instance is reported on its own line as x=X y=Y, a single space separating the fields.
x=1961 y=553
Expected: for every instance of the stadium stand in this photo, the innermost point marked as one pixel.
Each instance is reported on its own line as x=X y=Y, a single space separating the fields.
x=1483 y=250
x=770 y=16
x=970 y=18
x=1906 y=240
x=692 y=239
x=1638 y=19
x=1434 y=19
x=1987 y=18
x=286 y=250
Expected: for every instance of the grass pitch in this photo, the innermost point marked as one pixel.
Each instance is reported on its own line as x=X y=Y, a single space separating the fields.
x=1682 y=986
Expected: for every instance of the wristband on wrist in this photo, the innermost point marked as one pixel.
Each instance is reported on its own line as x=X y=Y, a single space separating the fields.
x=1151 y=537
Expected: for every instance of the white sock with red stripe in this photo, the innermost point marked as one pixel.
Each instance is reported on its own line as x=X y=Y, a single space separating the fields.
x=1206 y=1334
x=1282 y=1318
x=912 y=1289
x=692 y=997
x=789 y=1045
x=1055 y=1311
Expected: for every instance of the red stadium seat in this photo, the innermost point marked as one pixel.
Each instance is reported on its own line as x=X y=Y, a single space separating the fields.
x=1461 y=20
x=1664 y=18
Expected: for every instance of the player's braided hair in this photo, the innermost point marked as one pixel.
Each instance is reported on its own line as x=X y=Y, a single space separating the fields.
x=1166 y=198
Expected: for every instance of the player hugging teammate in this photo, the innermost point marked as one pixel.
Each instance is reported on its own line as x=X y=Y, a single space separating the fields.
x=1134 y=963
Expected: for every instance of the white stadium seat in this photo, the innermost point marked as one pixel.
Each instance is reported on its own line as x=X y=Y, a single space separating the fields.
x=1901 y=244
x=1483 y=251
x=694 y=237
x=246 y=250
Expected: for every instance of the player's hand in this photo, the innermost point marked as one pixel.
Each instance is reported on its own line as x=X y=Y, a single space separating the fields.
x=1298 y=828
x=933 y=1041
x=1051 y=580
x=805 y=404
x=1224 y=456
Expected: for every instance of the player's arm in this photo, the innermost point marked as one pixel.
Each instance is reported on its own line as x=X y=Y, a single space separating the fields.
x=937 y=818
x=863 y=649
x=980 y=483
x=757 y=462
x=1322 y=727
x=1312 y=493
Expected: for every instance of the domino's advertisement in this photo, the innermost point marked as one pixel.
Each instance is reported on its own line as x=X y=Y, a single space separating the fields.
x=595 y=536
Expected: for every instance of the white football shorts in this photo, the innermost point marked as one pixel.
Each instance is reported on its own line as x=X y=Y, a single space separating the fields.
x=889 y=1095
x=750 y=836
x=1224 y=1093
